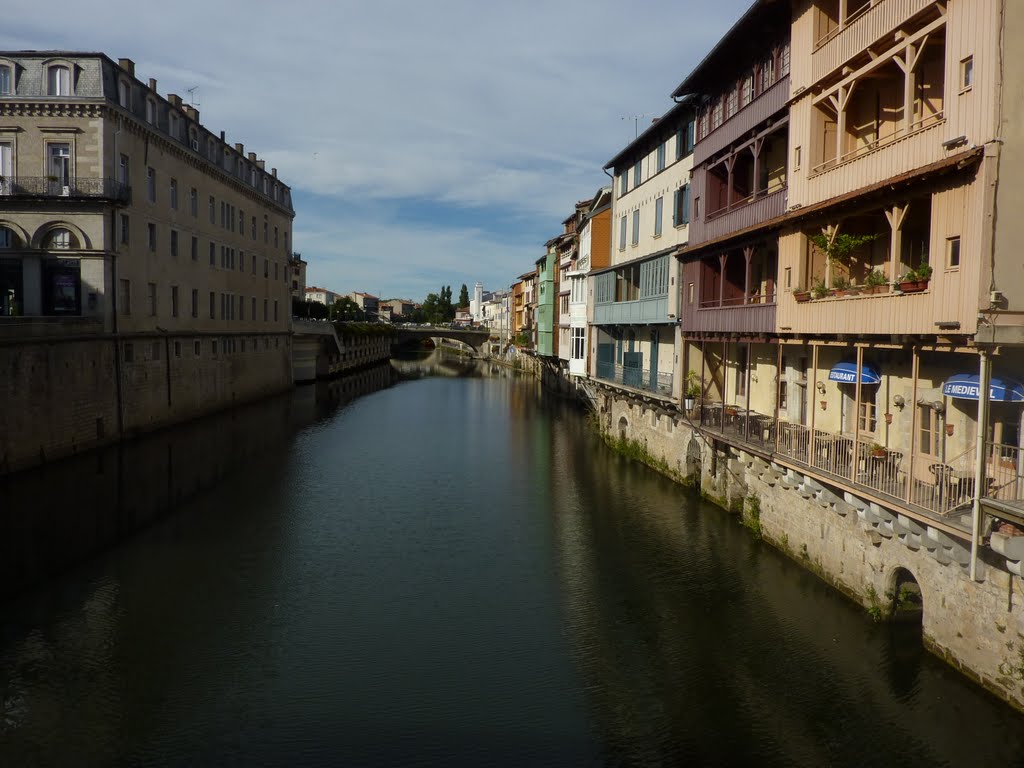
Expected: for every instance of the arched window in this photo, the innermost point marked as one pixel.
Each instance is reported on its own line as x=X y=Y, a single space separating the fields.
x=60 y=239
x=58 y=79
x=7 y=238
x=6 y=80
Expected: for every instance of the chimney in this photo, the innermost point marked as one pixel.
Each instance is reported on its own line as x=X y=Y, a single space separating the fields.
x=191 y=111
x=222 y=136
x=152 y=84
x=252 y=158
x=175 y=100
x=127 y=65
x=260 y=164
x=273 y=172
x=240 y=149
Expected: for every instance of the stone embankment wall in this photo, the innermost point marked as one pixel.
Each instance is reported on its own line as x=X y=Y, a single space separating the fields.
x=860 y=547
x=63 y=396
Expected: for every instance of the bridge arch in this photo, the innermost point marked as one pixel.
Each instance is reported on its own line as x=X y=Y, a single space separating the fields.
x=906 y=595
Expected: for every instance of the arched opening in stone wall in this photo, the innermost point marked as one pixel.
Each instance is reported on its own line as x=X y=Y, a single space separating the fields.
x=905 y=593
x=623 y=426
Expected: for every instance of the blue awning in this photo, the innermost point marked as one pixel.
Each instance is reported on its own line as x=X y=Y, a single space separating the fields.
x=846 y=373
x=967 y=386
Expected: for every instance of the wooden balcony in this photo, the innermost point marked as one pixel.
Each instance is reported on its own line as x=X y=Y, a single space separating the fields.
x=756 y=318
x=641 y=311
x=875 y=163
x=879 y=20
x=745 y=120
x=742 y=214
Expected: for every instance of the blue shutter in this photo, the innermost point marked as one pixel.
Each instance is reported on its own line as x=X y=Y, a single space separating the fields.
x=685 y=212
x=690 y=130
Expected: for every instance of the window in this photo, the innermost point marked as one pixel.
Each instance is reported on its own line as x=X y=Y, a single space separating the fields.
x=193 y=201
x=197 y=348
x=264 y=310
x=690 y=292
x=797 y=158
x=659 y=206
x=867 y=416
x=129 y=352
x=661 y=157
x=6 y=238
x=767 y=74
x=252 y=308
x=741 y=371
x=213 y=305
x=58 y=80
x=746 y=91
x=6 y=81
x=241 y=309
x=59 y=155
x=174 y=243
x=966 y=73
x=716 y=115
x=637 y=173
x=152 y=299
x=213 y=210
x=174 y=301
x=731 y=103
x=151 y=111
x=953 y=253
x=275 y=313
x=151 y=184
x=578 y=343
x=59 y=240
x=253 y=227
x=275 y=237
x=623 y=183
x=266 y=231
x=276 y=275
x=151 y=236
x=172 y=124
x=195 y=248
x=241 y=222
x=241 y=261
x=195 y=302
x=788 y=277
x=213 y=254
x=636 y=227
x=125 y=233
x=783 y=395
x=784 y=60
x=622 y=233
x=124 y=170
x=124 y=298
x=681 y=214
x=174 y=194
x=123 y=94
x=684 y=140
x=266 y=268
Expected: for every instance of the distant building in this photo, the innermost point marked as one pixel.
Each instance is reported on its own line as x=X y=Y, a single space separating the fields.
x=365 y=301
x=390 y=309
x=297 y=266
x=322 y=295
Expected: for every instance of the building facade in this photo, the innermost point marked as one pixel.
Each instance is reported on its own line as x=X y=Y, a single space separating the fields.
x=123 y=219
x=593 y=253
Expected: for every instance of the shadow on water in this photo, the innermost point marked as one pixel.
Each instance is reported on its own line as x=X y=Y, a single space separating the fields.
x=64 y=513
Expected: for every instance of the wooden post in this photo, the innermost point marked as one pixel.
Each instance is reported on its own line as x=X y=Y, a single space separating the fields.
x=916 y=370
x=778 y=390
x=814 y=393
x=748 y=253
x=722 y=259
x=896 y=217
x=856 y=417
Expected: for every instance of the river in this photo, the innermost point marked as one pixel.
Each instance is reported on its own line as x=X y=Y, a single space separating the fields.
x=447 y=570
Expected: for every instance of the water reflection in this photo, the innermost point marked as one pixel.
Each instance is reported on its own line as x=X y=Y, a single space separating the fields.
x=63 y=513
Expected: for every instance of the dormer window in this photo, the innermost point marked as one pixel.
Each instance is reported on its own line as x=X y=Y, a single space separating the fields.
x=124 y=94
x=173 y=125
x=58 y=79
x=252 y=176
x=6 y=80
x=151 y=111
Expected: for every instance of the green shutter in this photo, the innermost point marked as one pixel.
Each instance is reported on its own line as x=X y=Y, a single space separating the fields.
x=675 y=209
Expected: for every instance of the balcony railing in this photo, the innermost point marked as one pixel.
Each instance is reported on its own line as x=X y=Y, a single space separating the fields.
x=77 y=188
x=943 y=489
x=867 y=148
x=636 y=378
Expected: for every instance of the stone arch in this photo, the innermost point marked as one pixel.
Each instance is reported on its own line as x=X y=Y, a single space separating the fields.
x=906 y=597
x=694 y=459
x=623 y=426
x=83 y=241
x=20 y=237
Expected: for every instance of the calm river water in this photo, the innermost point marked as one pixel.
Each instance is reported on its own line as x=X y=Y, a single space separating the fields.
x=448 y=571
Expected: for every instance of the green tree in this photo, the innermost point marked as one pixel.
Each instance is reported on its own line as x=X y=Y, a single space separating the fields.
x=433 y=309
x=346 y=309
x=464 y=297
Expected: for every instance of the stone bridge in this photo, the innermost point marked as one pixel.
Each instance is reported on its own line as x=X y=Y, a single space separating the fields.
x=471 y=336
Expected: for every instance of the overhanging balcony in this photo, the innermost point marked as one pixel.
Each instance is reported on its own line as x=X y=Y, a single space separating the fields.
x=49 y=187
x=636 y=378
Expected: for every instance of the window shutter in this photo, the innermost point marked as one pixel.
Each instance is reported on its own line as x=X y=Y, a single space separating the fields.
x=685 y=213
x=675 y=209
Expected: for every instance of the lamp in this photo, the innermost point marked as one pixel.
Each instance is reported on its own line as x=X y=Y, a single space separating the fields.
x=820 y=386
x=898 y=401
x=938 y=407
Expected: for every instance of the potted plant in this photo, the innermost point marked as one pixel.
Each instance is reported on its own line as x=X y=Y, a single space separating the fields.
x=819 y=290
x=876 y=450
x=875 y=282
x=839 y=247
x=801 y=295
x=909 y=283
x=924 y=274
x=692 y=390
x=840 y=285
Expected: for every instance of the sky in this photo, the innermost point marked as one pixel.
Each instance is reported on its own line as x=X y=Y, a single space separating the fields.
x=426 y=143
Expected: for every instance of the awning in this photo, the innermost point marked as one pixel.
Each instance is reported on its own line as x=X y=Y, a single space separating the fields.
x=967 y=386
x=846 y=373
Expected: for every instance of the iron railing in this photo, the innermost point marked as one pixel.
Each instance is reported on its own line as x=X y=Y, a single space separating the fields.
x=635 y=378
x=49 y=187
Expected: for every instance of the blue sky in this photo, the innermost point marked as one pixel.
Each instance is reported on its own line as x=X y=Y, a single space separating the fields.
x=426 y=143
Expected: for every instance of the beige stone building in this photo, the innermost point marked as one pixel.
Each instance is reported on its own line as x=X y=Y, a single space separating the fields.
x=125 y=223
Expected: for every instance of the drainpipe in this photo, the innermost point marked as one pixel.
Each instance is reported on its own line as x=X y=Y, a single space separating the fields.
x=984 y=382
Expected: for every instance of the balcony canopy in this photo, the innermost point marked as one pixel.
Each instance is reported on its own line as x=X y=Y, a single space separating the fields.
x=967 y=386
x=846 y=373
